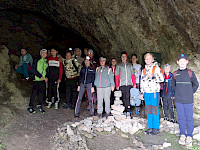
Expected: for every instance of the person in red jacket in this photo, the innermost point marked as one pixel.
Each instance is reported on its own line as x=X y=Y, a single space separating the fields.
x=55 y=77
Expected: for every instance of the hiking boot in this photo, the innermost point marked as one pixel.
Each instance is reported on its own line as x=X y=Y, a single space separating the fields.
x=107 y=115
x=182 y=140
x=166 y=118
x=149 y=131
x=91 y=115
x=49 y=104
x=65 y=106
x=188 y=141
x=155 y=131
x=95 y=107
x=128 y=115
x=41 y=109
x=31 y=110
x=173 y=121
x=137 y=112
x=100 y=116
x=56 y=105
x=76 y=117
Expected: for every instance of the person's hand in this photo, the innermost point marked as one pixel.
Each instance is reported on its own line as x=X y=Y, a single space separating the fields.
x=16 y=66
x=78 y=89
x=149 y=76
x=173 y=97
x=58 y=81
x=42 y=79
x=117 y=88
x=135 y=86
x=112 y=88
x=60 y=59
x=92 y=90
x=142 y=96
x=46 y=80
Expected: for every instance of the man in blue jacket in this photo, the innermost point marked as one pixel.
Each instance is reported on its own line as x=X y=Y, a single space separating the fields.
x=26 y=61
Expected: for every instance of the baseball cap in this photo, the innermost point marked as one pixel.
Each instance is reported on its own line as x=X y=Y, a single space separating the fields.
x=182 y=56
x=43 y=50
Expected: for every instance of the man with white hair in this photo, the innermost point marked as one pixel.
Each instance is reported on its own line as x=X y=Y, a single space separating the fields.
x=77 y=55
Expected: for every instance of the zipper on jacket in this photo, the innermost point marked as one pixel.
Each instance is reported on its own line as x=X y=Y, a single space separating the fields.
x=126 y=74
x=43 y=67
x=100 y=78
x=85 y=75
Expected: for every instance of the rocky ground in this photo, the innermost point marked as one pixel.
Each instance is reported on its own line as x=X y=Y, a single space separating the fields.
x=47 y=131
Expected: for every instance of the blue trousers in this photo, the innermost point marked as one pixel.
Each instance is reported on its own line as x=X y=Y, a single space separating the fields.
x=23 y=70
x=185 y=113
x=152 y=109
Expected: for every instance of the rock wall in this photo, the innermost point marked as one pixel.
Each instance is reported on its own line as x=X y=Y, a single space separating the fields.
x=166 y=26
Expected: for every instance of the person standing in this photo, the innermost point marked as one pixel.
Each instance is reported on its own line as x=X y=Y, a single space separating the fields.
x=150 y=91
x=113 y=67
x=72 y=71
x=77 y=55
x=25 y=64
x=104 y=82
x=86 y=82
x=185 y=84
x=40 y=71
x=125 y=80
x=54 y=79
x=136 y=69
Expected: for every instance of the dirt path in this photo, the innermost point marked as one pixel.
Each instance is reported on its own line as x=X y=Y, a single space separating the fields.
x=35 y=131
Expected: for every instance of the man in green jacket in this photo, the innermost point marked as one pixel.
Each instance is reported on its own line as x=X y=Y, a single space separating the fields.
x=40 y=71
x=25 y=63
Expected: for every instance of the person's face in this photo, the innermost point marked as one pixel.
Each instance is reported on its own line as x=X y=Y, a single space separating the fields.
x=167 y=69
x=149 y=59
x=102 y=62
x=182 y=63
x=124 y=57
x=113 y=62
x=23 y=52
x=68 y=56
x=87 y=63
x=85 y=52
x=134 y=59
x=90 y=54
x=78 y=52
x=53 y=52
x=44 y=55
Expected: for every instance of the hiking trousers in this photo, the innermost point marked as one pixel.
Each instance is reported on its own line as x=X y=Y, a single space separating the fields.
x=185 y=113
x=168 y=104
x=152 y=109
x=23 y=70
x=126 y=97
x=84 y=87
x=53 y=90
x=38 y=91
x=71 y=91
x=103 y=94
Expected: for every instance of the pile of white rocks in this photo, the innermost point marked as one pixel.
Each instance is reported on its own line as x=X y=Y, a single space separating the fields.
x=73 y=135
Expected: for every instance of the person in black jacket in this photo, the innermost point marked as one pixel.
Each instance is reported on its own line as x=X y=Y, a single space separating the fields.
x=185 y=85
x=86 y=82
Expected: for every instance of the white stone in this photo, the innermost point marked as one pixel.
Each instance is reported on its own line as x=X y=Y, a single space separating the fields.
x=108 y=129
x=118 y=94
x=165 y=144
x=133 y=130
x=116 y=112
x=88 y=122
x=118 y=124
x=118 y=102
x=70 y=132
x=124 y=135
x=117 y=98
x=118 y=108
x=197 y=137
x=120 y=117
x=99 y=129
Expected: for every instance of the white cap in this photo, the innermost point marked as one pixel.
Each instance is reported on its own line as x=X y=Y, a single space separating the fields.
x=43 y=50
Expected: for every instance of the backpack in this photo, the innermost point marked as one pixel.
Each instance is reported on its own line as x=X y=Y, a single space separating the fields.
x=189 y=72
x=135 y=97
x=153 y=71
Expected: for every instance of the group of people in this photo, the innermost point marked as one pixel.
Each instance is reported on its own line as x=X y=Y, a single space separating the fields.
x=98 y=82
